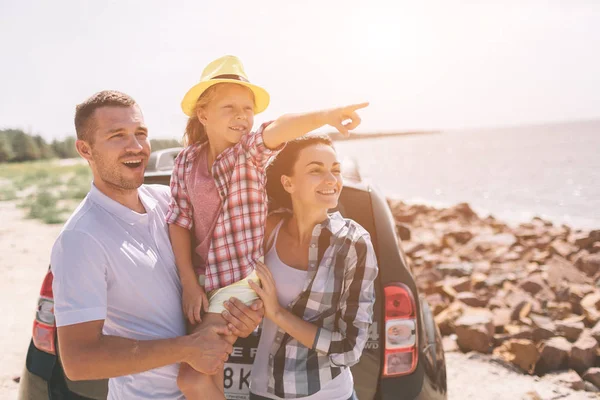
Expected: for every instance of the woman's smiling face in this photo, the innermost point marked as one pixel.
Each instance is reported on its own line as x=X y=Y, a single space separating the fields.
x=316 y=181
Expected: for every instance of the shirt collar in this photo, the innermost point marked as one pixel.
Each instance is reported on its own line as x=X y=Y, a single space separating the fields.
x=194 y=150
x=119 y=210
x=334 y=222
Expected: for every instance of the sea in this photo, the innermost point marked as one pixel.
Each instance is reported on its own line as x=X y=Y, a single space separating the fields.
x=514 y=174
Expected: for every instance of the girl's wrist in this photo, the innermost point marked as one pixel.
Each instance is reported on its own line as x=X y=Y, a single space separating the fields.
x=191 y=282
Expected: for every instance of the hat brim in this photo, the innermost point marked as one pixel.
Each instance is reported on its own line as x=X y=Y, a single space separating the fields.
x=188 y=104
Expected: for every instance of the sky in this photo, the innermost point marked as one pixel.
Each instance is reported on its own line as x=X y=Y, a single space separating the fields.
x=444 y=64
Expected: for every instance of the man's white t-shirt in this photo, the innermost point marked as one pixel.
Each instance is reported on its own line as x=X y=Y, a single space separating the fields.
x=111 y=263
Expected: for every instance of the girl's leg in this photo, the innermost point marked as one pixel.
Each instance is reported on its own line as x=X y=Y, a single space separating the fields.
x=197 y=386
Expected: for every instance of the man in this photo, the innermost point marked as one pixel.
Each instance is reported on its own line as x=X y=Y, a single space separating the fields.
x=116 y=289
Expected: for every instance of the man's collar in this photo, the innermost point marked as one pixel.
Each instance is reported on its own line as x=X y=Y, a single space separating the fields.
x=118 y=209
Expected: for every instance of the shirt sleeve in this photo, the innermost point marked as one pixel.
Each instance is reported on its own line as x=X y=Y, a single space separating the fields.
x=345 y=345
x=79 y=266
x=254 y=145
x=180 y=208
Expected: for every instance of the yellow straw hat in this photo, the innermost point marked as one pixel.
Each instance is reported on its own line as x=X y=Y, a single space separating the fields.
x=227 y=69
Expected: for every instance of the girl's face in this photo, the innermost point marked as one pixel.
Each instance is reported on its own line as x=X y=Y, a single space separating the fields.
x=230 y=114
x=316 y=181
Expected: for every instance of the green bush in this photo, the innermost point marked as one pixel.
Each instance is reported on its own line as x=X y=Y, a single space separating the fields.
x=8 y=194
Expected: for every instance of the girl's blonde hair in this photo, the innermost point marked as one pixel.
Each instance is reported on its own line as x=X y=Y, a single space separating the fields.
x=194 y=130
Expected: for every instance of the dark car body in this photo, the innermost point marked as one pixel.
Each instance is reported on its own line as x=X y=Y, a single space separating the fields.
x=418 y=375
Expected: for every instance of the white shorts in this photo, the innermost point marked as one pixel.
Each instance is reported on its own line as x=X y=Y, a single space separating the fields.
x=241 y=290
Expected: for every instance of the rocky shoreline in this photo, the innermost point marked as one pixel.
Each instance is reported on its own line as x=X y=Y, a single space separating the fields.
x=529 y=294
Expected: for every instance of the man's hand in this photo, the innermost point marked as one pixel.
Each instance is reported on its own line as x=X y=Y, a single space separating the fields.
x=208 y=349
x=344 y=119
x=194 y=300
x=241 y=319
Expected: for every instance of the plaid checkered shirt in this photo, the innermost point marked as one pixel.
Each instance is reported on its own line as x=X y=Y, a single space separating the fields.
x=338 y=297
x=237 y=239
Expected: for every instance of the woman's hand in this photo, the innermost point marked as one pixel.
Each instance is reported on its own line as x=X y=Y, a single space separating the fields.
x=194 y=300
x=267 y=292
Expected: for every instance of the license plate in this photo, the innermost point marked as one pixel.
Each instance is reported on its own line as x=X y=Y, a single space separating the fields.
x=236 y=380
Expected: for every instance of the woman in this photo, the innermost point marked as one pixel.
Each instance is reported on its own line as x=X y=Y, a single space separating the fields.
x=317 y=285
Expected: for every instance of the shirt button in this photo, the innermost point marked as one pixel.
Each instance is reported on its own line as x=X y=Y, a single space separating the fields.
x=222 y=194
x=313 y=245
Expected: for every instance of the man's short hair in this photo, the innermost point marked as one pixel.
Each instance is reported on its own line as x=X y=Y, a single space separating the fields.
x=84 y=124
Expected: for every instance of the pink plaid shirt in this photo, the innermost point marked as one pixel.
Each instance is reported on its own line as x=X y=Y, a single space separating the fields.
x=237 y=239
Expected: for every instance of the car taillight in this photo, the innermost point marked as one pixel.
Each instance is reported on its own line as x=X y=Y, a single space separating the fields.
x=400 y=357
x=44 y=328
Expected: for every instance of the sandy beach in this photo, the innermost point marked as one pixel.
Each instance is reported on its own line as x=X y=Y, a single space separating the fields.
x=24 y=256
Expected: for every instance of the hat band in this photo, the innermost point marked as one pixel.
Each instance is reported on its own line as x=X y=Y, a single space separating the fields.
x=231 y=76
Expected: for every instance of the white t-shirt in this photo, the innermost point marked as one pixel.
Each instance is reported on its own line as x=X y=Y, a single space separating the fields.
x=111 y=263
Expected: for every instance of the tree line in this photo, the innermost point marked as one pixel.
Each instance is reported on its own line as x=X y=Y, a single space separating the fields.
x=18 y=146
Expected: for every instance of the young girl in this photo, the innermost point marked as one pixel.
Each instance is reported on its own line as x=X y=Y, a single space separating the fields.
x=218 y=190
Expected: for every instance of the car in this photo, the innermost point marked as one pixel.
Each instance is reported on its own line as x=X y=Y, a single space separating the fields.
x=163 y=160
x=403 y=357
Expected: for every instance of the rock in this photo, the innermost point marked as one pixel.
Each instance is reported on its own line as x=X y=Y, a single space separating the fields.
x=592 y=375
x=449 y=344
x=539 y=256
x=410 y=248
x=595 y=332
x=436 y=302
x=583 y=353
x=458 y=269
x=475 y=330
x=405 y=217
x=462 y=210
x=569 y=378
x=589 y=264
x=554 y=355
x=478 y=280
x=533 y=284
x=589 y=305
x=541 y=334
x=521 y=310
x=495 y=302
x=505 y=240
x=501 y=318
x=560 y=271
x=403 y=231
x=584 y=241
x=576 y=294
x=541 y=321
x=445 y=319
x=570 y=329
x=590 y=387
x=562 y=248
x=470 y=299
x=458 y=284
x=559 y=310
x=520 y=352
x=452 y=238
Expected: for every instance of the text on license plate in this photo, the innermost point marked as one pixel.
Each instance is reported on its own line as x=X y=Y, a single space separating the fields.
x=236 y=381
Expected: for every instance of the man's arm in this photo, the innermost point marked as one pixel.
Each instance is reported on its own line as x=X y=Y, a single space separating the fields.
x=88 y=354
x=291 y=126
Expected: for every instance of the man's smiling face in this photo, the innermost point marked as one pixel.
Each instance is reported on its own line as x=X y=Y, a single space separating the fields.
x=119 y=147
